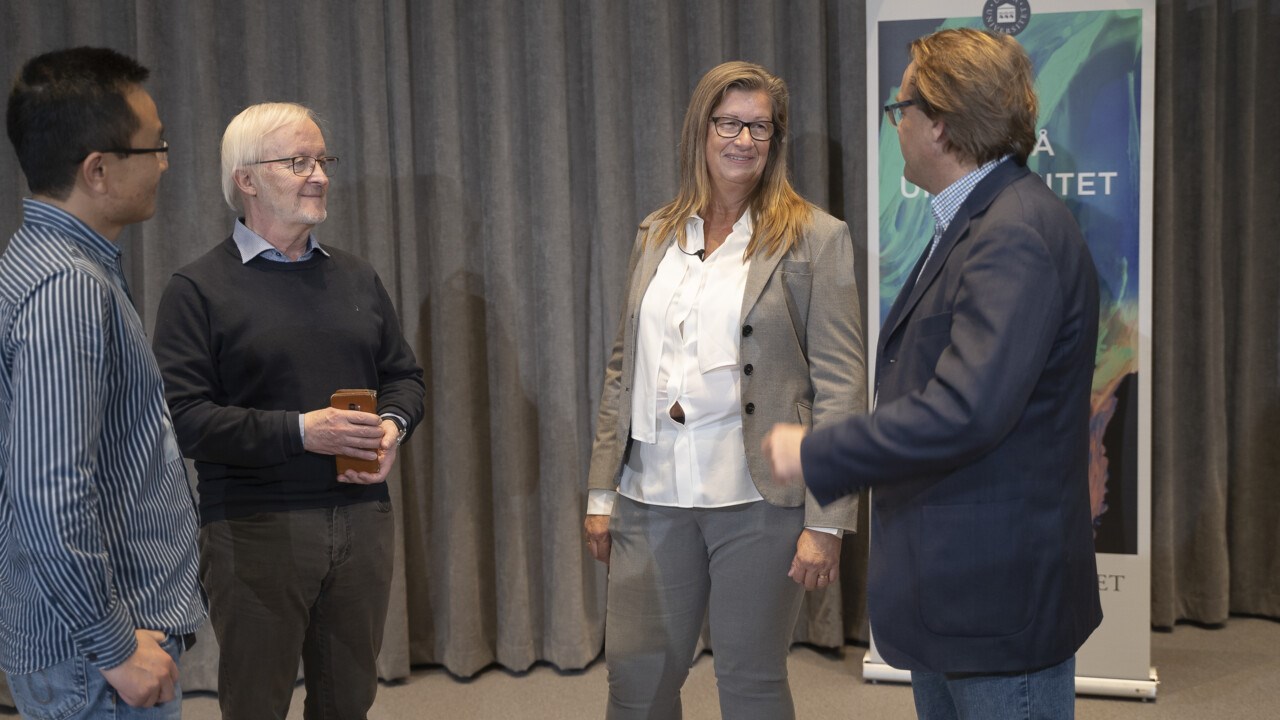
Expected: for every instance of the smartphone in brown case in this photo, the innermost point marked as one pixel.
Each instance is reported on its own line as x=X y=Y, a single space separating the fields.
x=364 y=401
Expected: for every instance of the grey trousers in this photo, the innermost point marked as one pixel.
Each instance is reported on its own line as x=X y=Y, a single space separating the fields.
x=309 y=583
x=671 y=567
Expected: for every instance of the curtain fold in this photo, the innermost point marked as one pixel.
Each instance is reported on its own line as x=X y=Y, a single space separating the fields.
x=496 y=158
x=1216 y=355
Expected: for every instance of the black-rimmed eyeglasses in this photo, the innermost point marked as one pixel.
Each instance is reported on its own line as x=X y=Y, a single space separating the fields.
x=164 y=148
x=895 y=110
x=305 y=165
x=727 y=127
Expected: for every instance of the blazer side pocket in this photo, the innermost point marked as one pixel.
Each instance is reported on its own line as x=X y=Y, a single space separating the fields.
x=804 y=413
x=975 y=569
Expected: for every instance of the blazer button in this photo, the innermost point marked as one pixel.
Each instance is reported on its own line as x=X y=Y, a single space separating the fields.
x=746 y=331
x=747 y=369
x=751 y=408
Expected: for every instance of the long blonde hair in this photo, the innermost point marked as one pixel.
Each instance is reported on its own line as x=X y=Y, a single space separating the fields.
x=780 y=215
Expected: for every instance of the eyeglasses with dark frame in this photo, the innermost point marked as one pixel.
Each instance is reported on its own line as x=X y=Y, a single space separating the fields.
x=895 y=110
x=164 y=148
x=305 y=165
x=727 y=127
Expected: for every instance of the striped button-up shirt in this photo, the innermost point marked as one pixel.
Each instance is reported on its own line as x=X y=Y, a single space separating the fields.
x=97 y=525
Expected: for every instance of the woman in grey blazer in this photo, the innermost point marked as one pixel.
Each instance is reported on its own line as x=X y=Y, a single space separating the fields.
x=741 y=312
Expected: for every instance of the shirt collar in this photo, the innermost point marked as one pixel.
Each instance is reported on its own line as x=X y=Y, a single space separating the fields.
x=742 y=229
x=947 y=203
x=251 y=245
x=35 y=212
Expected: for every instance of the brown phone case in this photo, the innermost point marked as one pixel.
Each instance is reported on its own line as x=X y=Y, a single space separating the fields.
x=364 y=401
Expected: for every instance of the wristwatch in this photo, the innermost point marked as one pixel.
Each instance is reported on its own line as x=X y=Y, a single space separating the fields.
x=404 y=430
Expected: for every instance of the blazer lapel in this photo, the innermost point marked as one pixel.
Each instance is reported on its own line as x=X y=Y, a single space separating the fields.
x=896 y=310
x=758 y=275
x=645 y=271
x=976 y=204
x=923 y=277
x=646 y=267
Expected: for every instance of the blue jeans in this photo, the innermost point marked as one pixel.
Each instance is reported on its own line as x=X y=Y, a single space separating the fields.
x=1047 y=694
x=75 y=690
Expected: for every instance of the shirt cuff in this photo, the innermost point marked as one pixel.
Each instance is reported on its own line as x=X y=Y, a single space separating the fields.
x=404 y=424
x=600 y=502
x=109 y=641
x=838 y=532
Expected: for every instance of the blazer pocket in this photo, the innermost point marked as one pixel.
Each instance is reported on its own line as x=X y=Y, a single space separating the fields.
x=804 y=413
x=800 y=267
x=934 y=324
x=975 y=569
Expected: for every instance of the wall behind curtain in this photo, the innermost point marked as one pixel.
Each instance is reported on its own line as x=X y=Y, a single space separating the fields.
x=496 y=158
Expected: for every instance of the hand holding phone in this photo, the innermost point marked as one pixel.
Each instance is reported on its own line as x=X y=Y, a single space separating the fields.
x=364 y=433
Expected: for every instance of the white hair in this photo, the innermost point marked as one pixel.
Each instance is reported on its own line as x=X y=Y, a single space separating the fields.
x=243 y=140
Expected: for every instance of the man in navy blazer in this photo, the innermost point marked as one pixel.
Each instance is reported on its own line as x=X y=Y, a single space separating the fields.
x=982 y=579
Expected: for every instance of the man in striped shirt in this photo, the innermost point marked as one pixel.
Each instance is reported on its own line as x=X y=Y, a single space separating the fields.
x=98 y=564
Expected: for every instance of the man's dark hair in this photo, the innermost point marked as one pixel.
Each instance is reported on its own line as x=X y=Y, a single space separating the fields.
x=66 y=104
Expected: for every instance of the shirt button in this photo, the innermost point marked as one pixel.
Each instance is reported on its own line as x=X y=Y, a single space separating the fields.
x=746 y=331
x=747 y=369
x=751 y=408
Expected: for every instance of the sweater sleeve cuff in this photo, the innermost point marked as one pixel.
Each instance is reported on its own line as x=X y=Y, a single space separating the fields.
x=293 y=432
x=109 y=641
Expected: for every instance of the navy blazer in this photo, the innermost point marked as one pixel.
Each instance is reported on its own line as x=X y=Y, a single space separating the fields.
x=982 y=553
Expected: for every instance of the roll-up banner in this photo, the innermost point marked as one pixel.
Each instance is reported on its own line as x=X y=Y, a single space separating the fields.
x=1095 y=71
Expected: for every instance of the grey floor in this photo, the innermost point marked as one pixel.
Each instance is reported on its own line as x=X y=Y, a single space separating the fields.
x=1231 y=672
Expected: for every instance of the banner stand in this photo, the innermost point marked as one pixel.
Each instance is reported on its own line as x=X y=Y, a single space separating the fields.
x=1095 y=76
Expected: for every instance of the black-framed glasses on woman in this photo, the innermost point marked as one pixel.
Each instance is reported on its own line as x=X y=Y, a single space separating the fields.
x=164 y=148
x=727 y=127
x=895 y=111
x=305 y=165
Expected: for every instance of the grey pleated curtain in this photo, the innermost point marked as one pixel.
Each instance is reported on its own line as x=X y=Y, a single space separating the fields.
x=1216 y=445
x=496 y=158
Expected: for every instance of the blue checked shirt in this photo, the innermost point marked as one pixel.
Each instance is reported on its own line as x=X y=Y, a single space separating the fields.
x=947 y=203
x=97 y=524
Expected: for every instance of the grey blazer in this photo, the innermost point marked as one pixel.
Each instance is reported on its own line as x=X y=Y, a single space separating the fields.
x=800 y=350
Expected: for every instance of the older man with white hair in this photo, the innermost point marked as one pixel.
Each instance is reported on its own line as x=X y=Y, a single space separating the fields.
x=253 y=339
